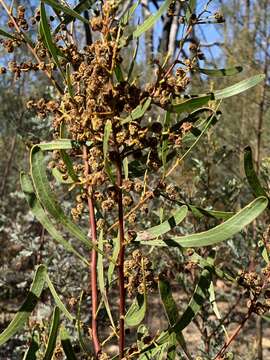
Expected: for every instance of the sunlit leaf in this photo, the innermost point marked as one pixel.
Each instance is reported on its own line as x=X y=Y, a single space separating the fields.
x=151 y=20
x=46 y=32
x=196 y=101
x=189 y=104
x=221 y=72
x=128 y=14
x=48 y=199
x=238 y=87
x=264 y=252
x=78 y=9
x=42 y=217
x=138 y=112
x=66 y=10
x=213 y=302
x=164 y=227
x=136 y=312
x=219 y=233
x=101 y=278
x=58 y=145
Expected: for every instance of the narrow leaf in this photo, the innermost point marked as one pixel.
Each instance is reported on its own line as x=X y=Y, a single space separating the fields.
x=220 y=215
x=221 y=72
x=138 y=112
x=52 y=335
x=66 y=344
x=212 y=298
x=164 y=227
x=82 y=6
x=168 y=301
x=251 y=175
x=58 y=145
x=101 y=278
x=128 y=14
x=238 y=87
x=151 y=20
x=66 y=10
x=57 y=299
x=30 y=353
x=203 y=263
x=197 y=101
x=20 y=319
x=68 y=162
x=22 y=316
x=46 y=32
x=136 y=312
x=5 y=34
x=190 y=104
x=107 y=133
x=47 y=198
x=263 y=251
x=125 y=167
x=118 y=74
x=116 y=248
x=131 y=66
x=219 y=233
x=42 y=217
x=194 y=306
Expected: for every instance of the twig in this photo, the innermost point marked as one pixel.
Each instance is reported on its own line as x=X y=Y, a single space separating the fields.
x=32 y=50
x=121 y=258
x=222 y=351
x=93 y=263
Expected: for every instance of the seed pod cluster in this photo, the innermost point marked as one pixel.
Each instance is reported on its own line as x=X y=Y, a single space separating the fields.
x=258 y=288
x=139 y=274
x=93 y=97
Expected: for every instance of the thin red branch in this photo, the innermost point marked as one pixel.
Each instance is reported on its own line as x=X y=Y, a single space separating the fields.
x=93 y=263
x=121 y=258
x=224 y=348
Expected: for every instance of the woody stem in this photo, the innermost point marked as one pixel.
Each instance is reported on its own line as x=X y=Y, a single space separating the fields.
x=93 y=263
x=121 y=258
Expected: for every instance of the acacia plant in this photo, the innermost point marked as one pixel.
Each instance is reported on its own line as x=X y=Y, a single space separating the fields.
x=117 y=143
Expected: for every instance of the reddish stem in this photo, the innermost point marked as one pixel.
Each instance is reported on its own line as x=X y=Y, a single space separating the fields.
x=93 y=263
x=121 y=258
x=222 y=351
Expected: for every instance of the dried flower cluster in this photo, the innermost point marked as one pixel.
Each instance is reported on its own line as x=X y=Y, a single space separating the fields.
x=139 y=274
x=258 y=288
x=94 y=98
